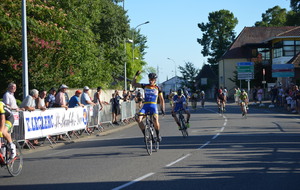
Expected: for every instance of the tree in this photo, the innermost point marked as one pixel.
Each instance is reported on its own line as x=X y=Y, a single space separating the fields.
x=275 y=16
x=217 y=36
x=189 y=74
x=293 y=16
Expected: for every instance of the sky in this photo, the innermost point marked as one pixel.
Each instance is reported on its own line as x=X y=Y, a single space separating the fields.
x=173 y=30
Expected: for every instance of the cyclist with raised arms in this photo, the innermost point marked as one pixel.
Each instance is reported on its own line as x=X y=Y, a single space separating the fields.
x=221 y=100
x=243 y=100
x=180 y=102
x=6 y=123
x=152 y=93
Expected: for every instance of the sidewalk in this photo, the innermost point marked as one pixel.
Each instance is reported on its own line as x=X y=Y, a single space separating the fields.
x=107 y=129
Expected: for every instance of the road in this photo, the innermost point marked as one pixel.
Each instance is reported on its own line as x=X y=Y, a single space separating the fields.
x=222 y=152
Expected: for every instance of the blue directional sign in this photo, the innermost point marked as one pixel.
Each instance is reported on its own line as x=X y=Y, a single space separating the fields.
x=283 y=70
x=245 y=70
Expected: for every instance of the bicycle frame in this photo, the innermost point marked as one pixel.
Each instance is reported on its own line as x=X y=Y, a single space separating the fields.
x=149 y=135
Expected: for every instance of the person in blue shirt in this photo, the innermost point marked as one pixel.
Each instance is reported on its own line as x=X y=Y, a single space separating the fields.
x=180 y=102
x=74 y=101
x=152 y=93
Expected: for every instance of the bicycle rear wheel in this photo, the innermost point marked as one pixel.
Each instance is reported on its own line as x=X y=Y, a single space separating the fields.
x=15 y=165
x=148 y=140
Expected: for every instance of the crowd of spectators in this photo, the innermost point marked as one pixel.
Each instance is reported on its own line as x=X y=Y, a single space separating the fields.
x=42 y=100
x=287 y=98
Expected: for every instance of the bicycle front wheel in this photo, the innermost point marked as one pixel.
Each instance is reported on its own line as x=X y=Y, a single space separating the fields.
x=148 y=140
x=183 y=127
x=15 y=165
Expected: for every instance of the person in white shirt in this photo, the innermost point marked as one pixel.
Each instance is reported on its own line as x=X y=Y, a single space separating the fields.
x=9 y=99
x=85 y=97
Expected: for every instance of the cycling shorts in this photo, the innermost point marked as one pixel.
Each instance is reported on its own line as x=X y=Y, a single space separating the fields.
x=149 y=108
x=180 y=107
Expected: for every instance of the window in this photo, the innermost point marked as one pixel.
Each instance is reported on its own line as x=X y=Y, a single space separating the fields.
x=286 y=48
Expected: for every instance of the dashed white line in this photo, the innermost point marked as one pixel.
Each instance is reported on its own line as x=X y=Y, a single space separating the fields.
x=207 y=143
x=172 y=163
x=134 y=181
x=214 y=137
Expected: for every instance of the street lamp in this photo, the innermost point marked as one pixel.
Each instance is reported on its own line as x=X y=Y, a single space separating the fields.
x=175 y=73
x=125 y=64
x=133 y=39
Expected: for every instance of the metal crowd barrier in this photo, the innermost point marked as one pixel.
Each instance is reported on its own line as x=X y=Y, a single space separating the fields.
x=128 y=111
x=61 y=121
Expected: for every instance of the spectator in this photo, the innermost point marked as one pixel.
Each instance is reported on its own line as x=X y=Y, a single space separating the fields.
x=85 y=97
x=50 y=99
x=202 y=97
x=29 y=105
x=274 y=94
x=254 y=94
x=9 y=99
x=60 y=98
x=40 y=101
x=260 y=93
x=125 y=96
x=97 y=99
x=29 y=102
x=115 y=104
x=74 y=101
x=139 y=98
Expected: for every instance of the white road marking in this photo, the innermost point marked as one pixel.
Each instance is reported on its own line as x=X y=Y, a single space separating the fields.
x=214 y=137
x=207 y=143
x=172 y=163
x=134 y=181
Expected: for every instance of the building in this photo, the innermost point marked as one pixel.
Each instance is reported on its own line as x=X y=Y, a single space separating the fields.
x=261 y=45
x=173 y=83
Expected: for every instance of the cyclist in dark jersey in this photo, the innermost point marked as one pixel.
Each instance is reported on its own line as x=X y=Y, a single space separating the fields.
x=6 y=123
x=152 y=93
x=220 y=99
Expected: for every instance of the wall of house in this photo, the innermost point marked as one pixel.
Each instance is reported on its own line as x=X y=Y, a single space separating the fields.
x=228 y=72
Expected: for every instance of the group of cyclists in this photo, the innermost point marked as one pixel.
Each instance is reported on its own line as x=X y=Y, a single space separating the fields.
x=152 y=93
x=178 y=101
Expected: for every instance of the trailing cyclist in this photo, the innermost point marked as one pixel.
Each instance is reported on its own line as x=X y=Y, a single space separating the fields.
x=6 y=123
x=221 y=100
x=152 y=93
x=180 y=102
x=244 y=100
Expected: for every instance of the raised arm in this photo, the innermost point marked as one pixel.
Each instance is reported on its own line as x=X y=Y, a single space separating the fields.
x=134 y=83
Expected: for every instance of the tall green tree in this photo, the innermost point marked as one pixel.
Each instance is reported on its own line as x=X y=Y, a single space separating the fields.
x=218 y=34
x=189 y=73
x=275 y=16
x=293 y=16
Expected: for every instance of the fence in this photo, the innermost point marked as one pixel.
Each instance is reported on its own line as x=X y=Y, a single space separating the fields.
x=57 y=121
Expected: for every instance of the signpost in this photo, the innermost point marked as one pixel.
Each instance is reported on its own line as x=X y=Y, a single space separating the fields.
x=245 y=72
x=283 y=70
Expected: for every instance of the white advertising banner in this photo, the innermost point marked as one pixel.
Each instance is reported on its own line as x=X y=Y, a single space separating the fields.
x=38 y=124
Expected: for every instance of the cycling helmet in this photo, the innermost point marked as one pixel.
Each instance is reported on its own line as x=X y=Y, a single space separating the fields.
x=242 y=90
x=152 y=76
x=179 y=92
x=220 y=91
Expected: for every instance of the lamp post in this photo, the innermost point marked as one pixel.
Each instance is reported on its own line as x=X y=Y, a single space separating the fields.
x=175 y=73
x=133 y=39
x=125 y=64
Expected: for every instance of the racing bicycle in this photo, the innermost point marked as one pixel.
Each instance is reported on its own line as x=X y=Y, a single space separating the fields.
x=244 y=109
x=13 y=165
x=183 y=127
x=151 y=141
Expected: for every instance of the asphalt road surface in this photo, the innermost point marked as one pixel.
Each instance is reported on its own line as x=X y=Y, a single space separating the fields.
x=222 y=152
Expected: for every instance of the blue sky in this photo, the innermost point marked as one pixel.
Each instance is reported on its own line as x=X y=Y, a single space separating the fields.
x=173 y=31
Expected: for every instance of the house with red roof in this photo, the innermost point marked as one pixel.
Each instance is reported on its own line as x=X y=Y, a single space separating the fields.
x=266 y=46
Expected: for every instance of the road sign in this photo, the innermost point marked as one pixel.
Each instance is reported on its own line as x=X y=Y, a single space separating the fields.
x=245 y=70
x=283 y=70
